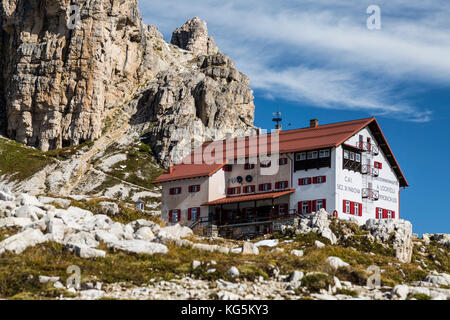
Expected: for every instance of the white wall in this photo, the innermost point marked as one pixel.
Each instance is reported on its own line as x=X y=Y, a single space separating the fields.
x=349 y=184
x=316 y=191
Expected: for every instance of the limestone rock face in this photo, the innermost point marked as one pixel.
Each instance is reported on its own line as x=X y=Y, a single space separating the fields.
x=193 y=36
x=64 y=75
x=397 y=231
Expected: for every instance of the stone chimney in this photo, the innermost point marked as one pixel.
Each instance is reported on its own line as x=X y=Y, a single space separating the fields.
x=314 y=123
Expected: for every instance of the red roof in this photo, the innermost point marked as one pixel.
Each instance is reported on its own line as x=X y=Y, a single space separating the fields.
x=187 y=171
x=323 y=136
x=251 y=197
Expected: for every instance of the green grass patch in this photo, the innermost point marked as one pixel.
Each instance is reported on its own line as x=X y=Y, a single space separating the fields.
x=19 y=162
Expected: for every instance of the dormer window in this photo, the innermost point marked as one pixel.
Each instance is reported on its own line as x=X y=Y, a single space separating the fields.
x=324 y=153
x=313 y=155
x=194 y=189
x=249 y=166
x=266 y=164
x=300 y=156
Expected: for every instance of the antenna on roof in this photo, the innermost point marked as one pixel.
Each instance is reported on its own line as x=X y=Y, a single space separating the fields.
x=277 y=118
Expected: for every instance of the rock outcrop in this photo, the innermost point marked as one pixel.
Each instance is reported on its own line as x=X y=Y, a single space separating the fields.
x=399 y=232
x=64 y=76
x=193 y=36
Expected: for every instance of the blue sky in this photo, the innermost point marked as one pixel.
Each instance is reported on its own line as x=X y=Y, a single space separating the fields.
x=317 y=59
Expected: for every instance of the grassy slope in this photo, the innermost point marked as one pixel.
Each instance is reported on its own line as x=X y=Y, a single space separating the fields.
x=19 y=162
x=49 y=259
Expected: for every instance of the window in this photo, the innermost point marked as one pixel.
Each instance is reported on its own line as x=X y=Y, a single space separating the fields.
x=389 y=214
x=249 y=189
x=352 y=156
x=358 y=157
x=194 y=189
x=194 y=214
x=379 y=213
x=320 y=204
x=324 y=153
x=174 y=191
x=281 y=185
x=346 y=154
x=236 y=190
x=346 y=206
x=305 y=207
x=378 y=165
x=283 y=161
x=300 y=156
x=320 y=179
x=228 y=168
x=304 y=181
x=265 y=164
x=249 y=166
x=356 y=209
x=312 y=155
x=265 y=187
x=174 y=215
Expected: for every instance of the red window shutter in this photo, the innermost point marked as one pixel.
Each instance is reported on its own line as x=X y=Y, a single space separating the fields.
x=324 y=203
x=300 y=182
x=229 y=190
x=352 y=208
x=260 y=188
x=380 y=165
x=309 y=206
x=198 y=187
x=377 y=215
x=277 y=185
x=314 y=206
x=344 y=207
x=393 y=214
x=309 y=180
x=360 y=209
x=324 y=179
x=315 y=180
x=171 y=191
x=170 y=216
x=190 y=214
x=385 y=214
x=300 y=207
x=238 y=190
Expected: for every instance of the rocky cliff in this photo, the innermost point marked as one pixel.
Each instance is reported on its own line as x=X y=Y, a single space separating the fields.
x=65 y=74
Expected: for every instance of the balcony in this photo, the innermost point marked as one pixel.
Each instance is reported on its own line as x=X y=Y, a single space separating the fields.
x=370 y=170
x=370 y=194
x=368 y=147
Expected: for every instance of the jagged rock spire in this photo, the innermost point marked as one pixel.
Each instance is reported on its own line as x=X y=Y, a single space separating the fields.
x=193 y=36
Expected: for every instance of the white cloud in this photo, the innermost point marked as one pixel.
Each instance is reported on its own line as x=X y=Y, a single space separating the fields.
x=322 y=53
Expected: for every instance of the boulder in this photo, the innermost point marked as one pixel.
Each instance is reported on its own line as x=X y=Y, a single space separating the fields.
x=92 y=294
x=441 y=238
x=6 y=208
x=196 y=264
x=295 y=276
x=233 y=272
x=319 y=244
x=6 y=196
x=11 y=222
x=21 y=241
x=57 y=229
x=249 y=248
x=26 y=199
x=88 y=253
x=63 y=203
x=82 y=239
x=298 y=253
x=144 y=233
x=318 y=222
x=174 y=232
x=140 y=246
x=438 y=279
x=397 y=231
x=401 y=291
x=28 y=211
x=106 y=237
x=109 y=208
x=45 y=279
x=98 y=222
x=336 y=263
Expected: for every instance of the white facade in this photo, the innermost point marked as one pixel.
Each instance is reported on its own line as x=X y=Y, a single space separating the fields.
x=342 y=187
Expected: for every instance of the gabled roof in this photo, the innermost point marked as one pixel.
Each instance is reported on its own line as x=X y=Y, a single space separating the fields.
x=310 y=138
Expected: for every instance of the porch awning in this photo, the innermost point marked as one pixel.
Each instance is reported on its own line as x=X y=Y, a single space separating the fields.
x=250 y=197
